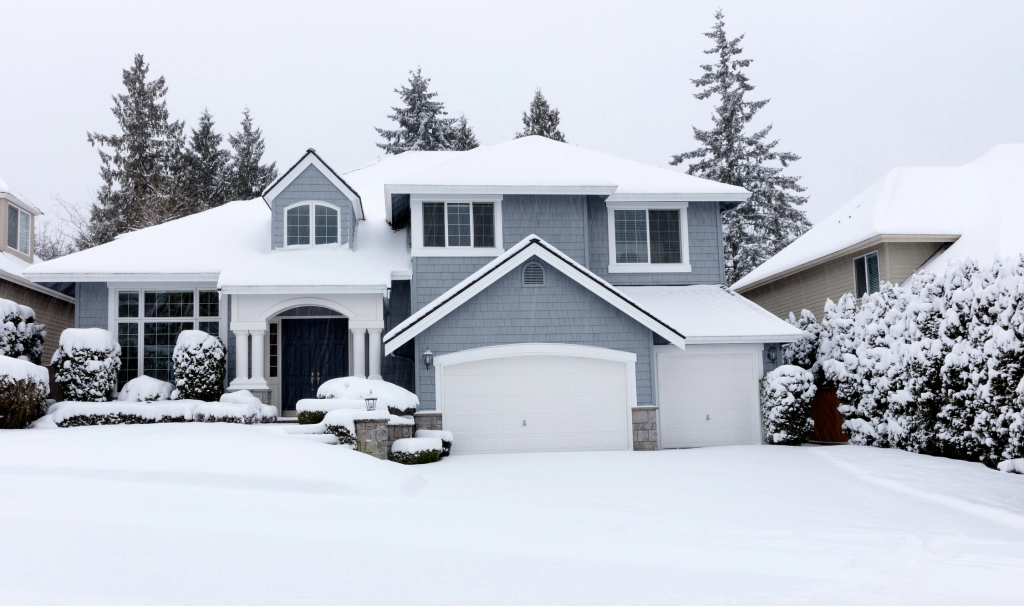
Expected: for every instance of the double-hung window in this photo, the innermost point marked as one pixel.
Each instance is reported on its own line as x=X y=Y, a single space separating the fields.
x=311 y=223
x=19 y=229
x=865 y=274
x=648 y=239
x=148 y=325
x=458 y=225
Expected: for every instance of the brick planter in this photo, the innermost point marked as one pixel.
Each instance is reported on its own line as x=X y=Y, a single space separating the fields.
x=372 y=438
x=645 y=428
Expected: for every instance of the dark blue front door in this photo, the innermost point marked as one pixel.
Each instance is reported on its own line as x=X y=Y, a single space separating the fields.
x=313 y=350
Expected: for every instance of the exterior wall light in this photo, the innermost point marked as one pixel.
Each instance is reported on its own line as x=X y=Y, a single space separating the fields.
x=428 y=358
x=773 y=354
x=371 y=401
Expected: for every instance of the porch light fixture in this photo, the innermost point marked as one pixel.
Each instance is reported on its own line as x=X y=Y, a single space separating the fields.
x=428 y=358
x=773 y=354
x=371 y=402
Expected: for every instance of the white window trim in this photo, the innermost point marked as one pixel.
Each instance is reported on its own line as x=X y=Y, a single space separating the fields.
x=312 y=225
x=416 y=225
x=113 y=320
x=648 y=267
x=28 y=245
x=867 y=283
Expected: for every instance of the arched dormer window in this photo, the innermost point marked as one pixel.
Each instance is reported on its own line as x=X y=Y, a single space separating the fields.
x=533 y=274
x=308 y=220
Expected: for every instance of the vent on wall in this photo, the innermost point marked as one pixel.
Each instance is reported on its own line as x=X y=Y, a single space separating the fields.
x=533 y=274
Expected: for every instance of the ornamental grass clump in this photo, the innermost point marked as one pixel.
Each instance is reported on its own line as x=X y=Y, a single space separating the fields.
x=786 y=395
x=200 y=366
x=86 y=364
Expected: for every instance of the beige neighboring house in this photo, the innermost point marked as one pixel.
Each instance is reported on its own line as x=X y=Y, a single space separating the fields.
x=914 y=219
x=53 y=308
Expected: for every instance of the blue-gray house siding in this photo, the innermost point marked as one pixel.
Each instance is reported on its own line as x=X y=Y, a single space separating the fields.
x=561 y=311
x=312 y=185
x=91 y=305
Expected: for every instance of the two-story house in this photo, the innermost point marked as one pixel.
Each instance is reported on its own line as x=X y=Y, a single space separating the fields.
x=534 y=295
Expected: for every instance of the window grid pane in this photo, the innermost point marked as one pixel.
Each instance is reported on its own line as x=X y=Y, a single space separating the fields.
x=433 y=224
x=128 y=339
x=210 y=328
x=458 y=225
x=159 y=340
x=209 y=304
x=12 y=227
x=298 y=226
x=25 y=220
x=631 y=236
x=128 y=304
x=326 y=225
x=272 y=367
x=170 y=304
x=666 y=245
x=483 y=225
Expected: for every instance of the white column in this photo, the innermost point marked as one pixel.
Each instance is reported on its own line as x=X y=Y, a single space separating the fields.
x=241 y=357
x=359 y=352
x=258 y=379
x=374 y=353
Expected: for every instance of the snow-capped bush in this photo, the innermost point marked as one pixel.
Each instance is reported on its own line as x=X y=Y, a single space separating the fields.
x=20 y=335
x=445 y=437
x=86 y=364
x=79 y=414
x=145 y=389
x=786 y=395
x=23 y=390
x=804 y=353
x=312 y=410
x=398 y=401
x=416 y=451
x=200 y=366
x=248 y=413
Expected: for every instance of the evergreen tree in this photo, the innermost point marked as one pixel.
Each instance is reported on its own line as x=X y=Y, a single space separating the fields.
x=541 y=119
x=769 y=220
x=141 y=170
x=955 y=421
x=422 y=125
x=804 y=353
x=206 y=183
x=463 y=138
x=247 y=177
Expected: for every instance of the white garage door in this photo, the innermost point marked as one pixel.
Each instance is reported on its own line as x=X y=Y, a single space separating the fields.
x=708 y=399
x=536 y=403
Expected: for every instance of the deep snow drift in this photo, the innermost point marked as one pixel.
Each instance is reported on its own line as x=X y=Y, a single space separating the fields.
x=228 y=514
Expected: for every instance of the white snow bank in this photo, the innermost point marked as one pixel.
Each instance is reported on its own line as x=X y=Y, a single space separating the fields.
x=1012 y=466
x=389 y=395
x=19 y=370
x=441 y=434
x=242 y=396
x=328 y=404
x=145 y=389
x=416 y=445
x=153 y=411
x=89 y=338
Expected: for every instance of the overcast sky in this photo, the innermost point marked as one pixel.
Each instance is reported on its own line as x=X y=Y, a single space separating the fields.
x=856 y=87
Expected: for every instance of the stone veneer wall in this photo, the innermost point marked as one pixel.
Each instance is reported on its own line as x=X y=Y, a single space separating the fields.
x=428 y=420
x=372 y=438
x=645 y=428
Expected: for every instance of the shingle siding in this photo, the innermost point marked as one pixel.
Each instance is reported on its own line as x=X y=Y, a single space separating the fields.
x=560 y=220
x=312 y=185
x=91 y=305
x=562 y=311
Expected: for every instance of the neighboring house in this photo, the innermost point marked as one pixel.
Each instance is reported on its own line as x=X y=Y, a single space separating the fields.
x=914 y=219
x=535 y=295
x=53 y=308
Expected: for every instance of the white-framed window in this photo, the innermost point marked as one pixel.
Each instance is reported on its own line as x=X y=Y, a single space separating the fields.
x=456 y=225
x=148 y=322
x=311 y=224
x=865 y=274
x=19 y=229
x=648 y=237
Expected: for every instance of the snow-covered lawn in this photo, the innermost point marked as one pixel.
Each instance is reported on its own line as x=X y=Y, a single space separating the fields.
x=225 y=514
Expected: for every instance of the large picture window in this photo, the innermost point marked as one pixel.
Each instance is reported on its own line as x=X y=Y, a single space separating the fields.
x=19 y=229
x=458 y=224
x=148 y=325
x=311 y=222
x=865 y=273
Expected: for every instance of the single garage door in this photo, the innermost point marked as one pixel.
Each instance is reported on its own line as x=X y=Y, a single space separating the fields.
x=536 y=403
x=708 y=399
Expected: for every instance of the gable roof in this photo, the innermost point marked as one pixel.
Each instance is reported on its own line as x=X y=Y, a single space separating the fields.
x=979 y=206
x=528 y=247
x=307 y=159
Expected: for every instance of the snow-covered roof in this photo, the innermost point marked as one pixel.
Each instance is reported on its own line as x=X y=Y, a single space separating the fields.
x=712 y=314
x=311 y=158
x=979 y=206
x=371 y=181
x=7 y=191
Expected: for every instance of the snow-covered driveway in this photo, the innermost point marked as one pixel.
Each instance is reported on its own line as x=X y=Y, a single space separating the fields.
x=219 y=514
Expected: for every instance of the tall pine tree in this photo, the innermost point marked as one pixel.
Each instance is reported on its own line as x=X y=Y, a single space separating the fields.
x=207 y=179
x=770 y=219
x=541 y=119
x=422 y=125
x=141 y=166
x=246 y=176
x=463 y=138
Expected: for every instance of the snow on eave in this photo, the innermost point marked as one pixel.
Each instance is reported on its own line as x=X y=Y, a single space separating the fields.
x=9 y=193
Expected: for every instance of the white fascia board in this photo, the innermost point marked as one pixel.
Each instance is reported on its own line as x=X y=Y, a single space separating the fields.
x=311 y=158
x=112 y=277
x=554 y=190
x=744 y=339
x=678 y=197
x=308 y=289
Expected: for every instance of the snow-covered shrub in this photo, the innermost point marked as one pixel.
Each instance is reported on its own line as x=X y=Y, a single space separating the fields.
x=145 y=389
x=786 y=395
x=23 y=390
x=312 y=410
x=79 y=414
x=398 y=401
x=231 y=412
x=200 y=366
x=416 y=451
x=804 y=353
x=20 y=335
x=955 y=419
x=445 y=436
x=86 y=364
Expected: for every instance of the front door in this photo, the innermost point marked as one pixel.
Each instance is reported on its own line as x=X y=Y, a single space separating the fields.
x=313 y=350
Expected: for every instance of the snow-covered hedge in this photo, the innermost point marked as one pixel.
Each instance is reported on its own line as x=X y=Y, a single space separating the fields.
x=232 y=412
x=416 y=451
x=145 y=389
x=78 y=414
x=86 y=364
x=200 y=366
x=312 y=410
x=23 y=390
x=444 y=436
x=389 y=396
x=20 y=335
x=786 y=395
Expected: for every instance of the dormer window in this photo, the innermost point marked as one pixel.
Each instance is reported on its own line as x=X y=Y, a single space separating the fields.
x=19 y=229
x=306 y=221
